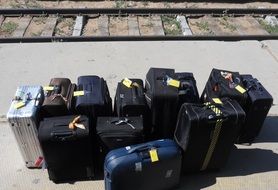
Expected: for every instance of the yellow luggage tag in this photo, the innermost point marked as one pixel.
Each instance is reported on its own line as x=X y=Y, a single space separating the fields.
x=153 y=155
x=48 y=88
x=19 y=105
x=240 y=89
x=217 y=101
x=173 y=82
x=127 y=82
x=79 y=93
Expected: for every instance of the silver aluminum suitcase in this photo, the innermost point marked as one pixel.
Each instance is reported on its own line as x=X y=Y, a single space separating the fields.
x=23 y=119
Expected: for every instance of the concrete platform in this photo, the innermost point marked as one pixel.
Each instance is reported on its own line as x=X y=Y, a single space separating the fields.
x=253 y=167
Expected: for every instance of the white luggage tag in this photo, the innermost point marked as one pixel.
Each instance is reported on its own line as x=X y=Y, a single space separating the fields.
x=173 y=82
x=79 y=93
x=48 y=88
x=127 y=82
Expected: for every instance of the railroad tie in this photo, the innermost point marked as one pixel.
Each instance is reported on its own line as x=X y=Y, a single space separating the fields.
x=103 y=25
x=22 y=27
x=133 y=26
x=157 y=26
x=79 y=23
x=50 y=25
x=186 y=31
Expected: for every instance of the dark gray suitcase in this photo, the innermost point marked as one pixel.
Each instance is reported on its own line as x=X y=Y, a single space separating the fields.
x=149 y=166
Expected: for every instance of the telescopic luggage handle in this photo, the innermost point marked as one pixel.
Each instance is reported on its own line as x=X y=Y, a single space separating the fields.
x=142 y=148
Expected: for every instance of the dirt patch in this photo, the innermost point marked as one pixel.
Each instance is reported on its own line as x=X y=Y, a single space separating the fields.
x=199 y=26
x=171 y=26
x=64 y=27
x=118 y=26
x=36 y=27
x=91 y=27
x=145 y=26
x=9 y=25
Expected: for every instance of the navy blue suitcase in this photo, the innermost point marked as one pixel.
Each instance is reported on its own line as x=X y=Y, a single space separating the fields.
x=149 y=166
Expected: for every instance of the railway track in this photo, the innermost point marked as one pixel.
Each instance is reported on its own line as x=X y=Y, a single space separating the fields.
x=71 y=25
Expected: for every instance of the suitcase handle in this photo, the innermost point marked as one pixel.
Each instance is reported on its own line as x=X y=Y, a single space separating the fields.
x=62 y=135
x=141 y=148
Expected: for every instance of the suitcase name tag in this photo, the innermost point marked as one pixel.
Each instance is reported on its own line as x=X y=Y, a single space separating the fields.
x=48 y=88
x=153 y=155
x=173 y=82
x=78 y=93
x=127 y=82
x=19 y=105
x=240 y=89
x=217 y=101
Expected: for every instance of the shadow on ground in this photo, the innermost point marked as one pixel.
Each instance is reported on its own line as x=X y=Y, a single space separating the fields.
x=243 y=161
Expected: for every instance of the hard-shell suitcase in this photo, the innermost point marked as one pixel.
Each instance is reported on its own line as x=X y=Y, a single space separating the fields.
x=58 y=98
x=96 y=100
x=257 y=106
x=23 y=119
x=223 y=83
x=117 y=132
x=207 y=132
x=150 y=166
x=130 y=101
x=188 y=91
x=66 y=146
x=162 y=100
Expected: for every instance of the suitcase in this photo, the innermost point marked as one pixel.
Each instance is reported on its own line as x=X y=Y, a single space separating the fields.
x=130 y=101
x=258 y=104
x=58 y=98
x=162 y=100
x=223 y=83
x=23 y=120
x=150 y=166
x=117 y=132
x=67 y=151
x=96 y=99
x=207 y=132
x=188 y=91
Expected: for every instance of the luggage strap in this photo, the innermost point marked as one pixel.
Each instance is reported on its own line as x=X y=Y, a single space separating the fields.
x=59 y=95
x=215 y=136
x=123 y=121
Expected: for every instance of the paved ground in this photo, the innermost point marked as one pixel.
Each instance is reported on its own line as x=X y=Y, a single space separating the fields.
x=253 y=167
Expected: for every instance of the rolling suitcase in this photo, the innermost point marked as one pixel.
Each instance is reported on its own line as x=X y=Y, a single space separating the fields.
x=117 y=132
x=23 y=120
x=130 y=101
x=188 y=91
x=150 y=166
x=221 y=84
x=58 y=98
x=207 y=132
x=66 y=146
x=258 y=104
x=162 y=99
x=92 y=97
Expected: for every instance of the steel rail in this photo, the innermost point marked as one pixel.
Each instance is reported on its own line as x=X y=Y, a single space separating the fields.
x=137 y=38
x=139 y=11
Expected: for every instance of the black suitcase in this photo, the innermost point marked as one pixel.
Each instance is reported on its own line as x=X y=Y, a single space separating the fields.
x=188 y=91
x=258 y=104
x=206 y=133
x=67 y=151
x=95 y=99
x=58 y=98
x=162 y=100
x=117 y=132
x=130 y=101
x=150 y=166
x=223 y=83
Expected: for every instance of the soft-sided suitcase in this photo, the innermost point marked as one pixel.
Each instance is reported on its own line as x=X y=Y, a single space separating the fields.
x=206 y=133
x=117 y=132
x=162 y=100
x=150 y=166
x=257 y=106
x=23 y=120
x=188 y=91
x=223 y=83
x=130 y=101
x=67 y=149
x=95 y=99
x=58 y=98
